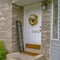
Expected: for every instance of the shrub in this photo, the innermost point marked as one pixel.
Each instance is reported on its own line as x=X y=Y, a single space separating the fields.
x=3 y=51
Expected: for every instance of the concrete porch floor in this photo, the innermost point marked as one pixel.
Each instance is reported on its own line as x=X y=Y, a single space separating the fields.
x=20 y=56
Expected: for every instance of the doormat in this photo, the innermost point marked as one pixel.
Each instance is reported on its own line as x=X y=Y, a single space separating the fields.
x=30 y=53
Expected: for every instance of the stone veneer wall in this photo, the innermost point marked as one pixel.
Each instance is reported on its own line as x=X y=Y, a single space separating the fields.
x=8 y=15
x=6 y=23
x=46 y=32
x=17 y=14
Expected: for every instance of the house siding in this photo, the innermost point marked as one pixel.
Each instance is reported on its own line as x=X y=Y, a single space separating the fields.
x=55 y=44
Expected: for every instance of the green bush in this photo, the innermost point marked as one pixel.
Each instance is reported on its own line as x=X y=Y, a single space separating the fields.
x=3 y=51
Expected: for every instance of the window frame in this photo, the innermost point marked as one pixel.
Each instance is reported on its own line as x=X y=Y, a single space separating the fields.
x=52 y=24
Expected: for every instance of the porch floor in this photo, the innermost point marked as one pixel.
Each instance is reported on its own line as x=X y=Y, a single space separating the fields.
x=23 y=56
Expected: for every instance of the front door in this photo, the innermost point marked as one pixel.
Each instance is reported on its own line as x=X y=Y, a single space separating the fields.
x=32 y=32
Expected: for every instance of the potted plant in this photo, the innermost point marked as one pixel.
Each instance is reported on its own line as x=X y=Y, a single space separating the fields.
x=3 y=51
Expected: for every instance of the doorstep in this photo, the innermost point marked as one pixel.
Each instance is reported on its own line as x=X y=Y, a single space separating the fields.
x=21 y=56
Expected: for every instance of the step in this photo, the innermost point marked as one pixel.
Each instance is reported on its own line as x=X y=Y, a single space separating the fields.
x=21 y=56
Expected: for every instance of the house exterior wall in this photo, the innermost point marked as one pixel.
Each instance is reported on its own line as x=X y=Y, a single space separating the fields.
x=6 y=23
x=46 y=32
x=17 y=14
x=55 y=44
x=8 y=15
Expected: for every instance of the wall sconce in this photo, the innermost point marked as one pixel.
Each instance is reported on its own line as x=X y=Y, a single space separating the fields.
x=44 y=4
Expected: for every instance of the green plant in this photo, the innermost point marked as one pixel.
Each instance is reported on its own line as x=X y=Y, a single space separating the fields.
x=3 y=51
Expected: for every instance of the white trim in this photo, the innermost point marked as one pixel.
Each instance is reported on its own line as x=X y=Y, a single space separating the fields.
x=51 y=19
x=41 y=26
x=55 y=39
x=58 y=19
x=51 y=27
x=52 y=24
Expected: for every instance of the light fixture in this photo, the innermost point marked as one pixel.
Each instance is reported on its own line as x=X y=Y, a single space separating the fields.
x=44 y=4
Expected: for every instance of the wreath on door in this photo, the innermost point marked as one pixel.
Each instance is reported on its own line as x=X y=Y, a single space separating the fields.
x=33 y=19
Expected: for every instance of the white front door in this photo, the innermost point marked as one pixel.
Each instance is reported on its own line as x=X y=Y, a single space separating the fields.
x=32 y=34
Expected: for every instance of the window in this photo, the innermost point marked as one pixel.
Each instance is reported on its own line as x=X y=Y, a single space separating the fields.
x=55 y=19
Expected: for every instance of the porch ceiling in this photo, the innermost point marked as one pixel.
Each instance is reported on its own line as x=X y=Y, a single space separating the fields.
x=24 y=2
